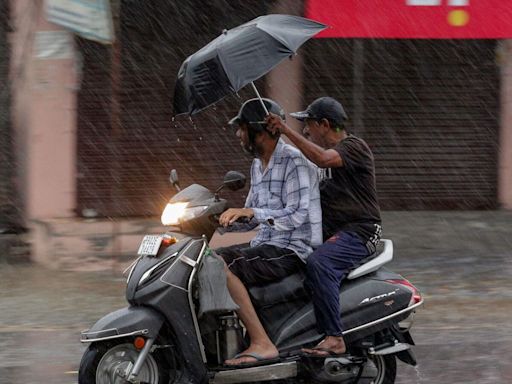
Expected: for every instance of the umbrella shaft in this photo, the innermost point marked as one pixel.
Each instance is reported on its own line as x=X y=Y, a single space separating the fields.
x=259 y=97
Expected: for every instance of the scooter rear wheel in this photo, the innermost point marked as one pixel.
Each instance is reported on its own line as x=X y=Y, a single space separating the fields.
x=377 y=370
x=110 y=363
x=386 y=369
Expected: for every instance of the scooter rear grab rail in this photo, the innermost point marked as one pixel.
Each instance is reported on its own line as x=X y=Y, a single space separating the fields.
x=375 y=263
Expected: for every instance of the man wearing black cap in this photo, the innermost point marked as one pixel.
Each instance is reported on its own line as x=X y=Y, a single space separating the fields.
x=350 y=210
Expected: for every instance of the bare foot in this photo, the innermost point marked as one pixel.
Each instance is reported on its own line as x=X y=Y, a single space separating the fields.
x=331 y=345
x=254 y=354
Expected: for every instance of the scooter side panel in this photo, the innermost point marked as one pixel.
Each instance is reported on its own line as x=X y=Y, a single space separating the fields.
x=177 y=310
x=179 y=273
x=174 y=273
x=145 y=263
x=170 y=296
x=370 y=300
x=362 y=301
x=298 y=329
x=174 y=306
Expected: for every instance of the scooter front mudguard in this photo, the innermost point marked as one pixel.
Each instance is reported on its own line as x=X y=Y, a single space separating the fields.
x=130 y=321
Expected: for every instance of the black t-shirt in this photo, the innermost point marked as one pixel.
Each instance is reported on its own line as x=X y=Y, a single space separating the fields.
x=349 y=194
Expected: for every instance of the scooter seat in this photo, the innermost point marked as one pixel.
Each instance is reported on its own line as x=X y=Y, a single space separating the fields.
x=288 y=289
x=292 y=287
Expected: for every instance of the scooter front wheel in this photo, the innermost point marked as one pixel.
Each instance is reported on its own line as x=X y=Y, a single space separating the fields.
x=111 y=363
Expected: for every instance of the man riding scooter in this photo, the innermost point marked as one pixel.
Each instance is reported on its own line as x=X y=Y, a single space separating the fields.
x=284 y=201
x=164 y=336
x=350 y=210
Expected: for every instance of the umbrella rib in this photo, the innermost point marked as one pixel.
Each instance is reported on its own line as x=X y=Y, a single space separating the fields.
x=272 y=67
x=278 y=38
x=218 y=54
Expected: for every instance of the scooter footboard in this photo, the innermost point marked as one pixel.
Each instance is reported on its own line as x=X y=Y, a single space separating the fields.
x=130 y=321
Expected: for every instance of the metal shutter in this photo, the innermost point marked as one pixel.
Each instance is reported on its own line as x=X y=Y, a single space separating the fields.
x=8 y=207
x=126 y=173
x=428 y=109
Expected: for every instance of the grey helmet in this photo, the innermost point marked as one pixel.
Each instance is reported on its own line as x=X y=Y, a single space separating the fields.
x=252 y=113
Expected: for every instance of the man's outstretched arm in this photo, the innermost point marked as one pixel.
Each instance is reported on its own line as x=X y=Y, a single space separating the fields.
x=323 y=158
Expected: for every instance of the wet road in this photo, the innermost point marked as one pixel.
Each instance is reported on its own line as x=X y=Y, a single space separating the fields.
x=463 y=333
x=42 y=314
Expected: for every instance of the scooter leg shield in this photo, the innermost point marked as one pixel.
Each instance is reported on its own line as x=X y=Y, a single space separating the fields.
x=128 y=321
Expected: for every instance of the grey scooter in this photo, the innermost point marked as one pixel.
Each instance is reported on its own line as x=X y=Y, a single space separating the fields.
x=159 y=338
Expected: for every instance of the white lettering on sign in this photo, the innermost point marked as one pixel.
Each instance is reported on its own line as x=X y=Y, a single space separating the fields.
x=435 y=3
x=424 y=3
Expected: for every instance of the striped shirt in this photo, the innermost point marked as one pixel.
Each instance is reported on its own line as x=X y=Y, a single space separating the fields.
x=286 y=201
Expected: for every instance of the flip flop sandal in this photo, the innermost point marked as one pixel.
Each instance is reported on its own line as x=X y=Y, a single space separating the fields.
x=260 y=360
x=323 y=352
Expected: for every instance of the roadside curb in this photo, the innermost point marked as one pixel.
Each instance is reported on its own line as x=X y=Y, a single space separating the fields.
x=101 y=245
x=14 y=249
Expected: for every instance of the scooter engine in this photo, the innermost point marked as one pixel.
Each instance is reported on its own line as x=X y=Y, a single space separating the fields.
x=336 y=369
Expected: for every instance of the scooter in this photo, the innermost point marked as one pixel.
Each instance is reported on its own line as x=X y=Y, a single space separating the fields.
x=159 y=338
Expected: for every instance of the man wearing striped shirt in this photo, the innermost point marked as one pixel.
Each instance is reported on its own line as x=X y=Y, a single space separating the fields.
x=284 y=203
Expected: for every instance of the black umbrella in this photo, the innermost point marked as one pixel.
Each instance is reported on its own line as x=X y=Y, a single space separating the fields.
x=239 y=57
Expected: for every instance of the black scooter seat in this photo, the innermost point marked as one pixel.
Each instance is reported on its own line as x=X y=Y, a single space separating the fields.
x=288 y=289
x=285 y=290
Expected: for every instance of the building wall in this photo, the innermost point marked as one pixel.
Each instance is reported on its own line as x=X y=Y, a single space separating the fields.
x=429 y=110
x=124 y=162
x=43 y=112
x=7 y=204
x=505 y=153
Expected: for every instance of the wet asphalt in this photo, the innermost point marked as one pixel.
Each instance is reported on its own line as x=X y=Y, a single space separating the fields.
x=461 y=262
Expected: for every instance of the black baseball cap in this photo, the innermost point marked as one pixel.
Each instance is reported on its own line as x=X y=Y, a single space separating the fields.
x=323 y=108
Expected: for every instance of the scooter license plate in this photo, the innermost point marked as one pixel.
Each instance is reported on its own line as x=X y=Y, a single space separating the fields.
x=150 y=245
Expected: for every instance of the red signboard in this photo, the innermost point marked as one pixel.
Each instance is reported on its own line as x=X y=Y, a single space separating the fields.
x=431 y=19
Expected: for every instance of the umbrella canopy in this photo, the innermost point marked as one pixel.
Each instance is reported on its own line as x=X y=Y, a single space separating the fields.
x=238 y=57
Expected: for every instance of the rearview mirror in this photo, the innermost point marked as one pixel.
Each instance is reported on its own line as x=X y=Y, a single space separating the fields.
x=234 y=180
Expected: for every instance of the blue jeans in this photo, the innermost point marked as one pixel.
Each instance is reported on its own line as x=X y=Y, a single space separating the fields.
x=326 y=267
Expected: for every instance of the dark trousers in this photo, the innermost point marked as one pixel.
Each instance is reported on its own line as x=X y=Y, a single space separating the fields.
x=326 y=267
x=260 y=265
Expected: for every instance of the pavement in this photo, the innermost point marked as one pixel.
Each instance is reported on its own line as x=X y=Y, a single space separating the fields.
x=433 y=233
x=75 y=244
x=460 y=261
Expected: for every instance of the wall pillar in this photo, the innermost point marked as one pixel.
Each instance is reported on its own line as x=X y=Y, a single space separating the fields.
x=505 y=144
x=44 y=89
x=284 y=83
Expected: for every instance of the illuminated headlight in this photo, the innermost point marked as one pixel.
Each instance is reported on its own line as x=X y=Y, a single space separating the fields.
x=176 y=212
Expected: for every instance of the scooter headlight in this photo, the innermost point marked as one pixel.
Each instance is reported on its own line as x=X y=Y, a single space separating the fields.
x=173 y=213
x=176 y=212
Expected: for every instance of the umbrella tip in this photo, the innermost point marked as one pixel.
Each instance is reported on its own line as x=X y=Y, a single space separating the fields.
x=224 y=31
